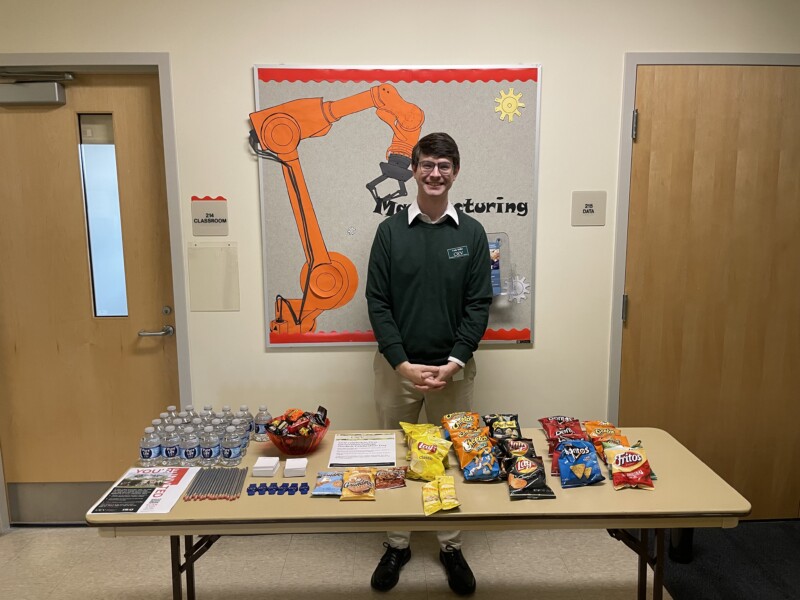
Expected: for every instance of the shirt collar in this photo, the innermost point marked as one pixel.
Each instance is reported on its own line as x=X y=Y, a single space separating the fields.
x=414 y=212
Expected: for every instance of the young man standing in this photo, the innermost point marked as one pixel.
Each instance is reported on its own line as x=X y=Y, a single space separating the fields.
x=428 y=294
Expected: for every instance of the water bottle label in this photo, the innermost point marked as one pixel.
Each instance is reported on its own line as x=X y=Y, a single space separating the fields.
x=171 y=452
x=149 y=453
x=261 y=429
x=209 y=452
x=235 y=452
x=189 y=453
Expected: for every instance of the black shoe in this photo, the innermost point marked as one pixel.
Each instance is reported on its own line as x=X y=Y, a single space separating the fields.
x=387 y=573
x=459 y=575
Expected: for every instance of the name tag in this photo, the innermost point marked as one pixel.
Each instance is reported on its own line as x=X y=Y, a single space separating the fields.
x=459 y=252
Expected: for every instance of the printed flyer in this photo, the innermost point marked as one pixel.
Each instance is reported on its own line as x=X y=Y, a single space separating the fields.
x=146 y=490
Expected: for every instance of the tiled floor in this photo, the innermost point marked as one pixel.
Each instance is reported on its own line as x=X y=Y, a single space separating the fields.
x=75 y=563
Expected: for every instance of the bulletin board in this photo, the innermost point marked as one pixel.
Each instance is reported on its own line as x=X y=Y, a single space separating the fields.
x=333 y=147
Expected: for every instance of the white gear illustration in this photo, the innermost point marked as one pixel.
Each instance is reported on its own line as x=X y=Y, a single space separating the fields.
x=517 y=288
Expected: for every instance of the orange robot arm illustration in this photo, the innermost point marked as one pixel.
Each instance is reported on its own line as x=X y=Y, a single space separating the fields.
x=328 y=279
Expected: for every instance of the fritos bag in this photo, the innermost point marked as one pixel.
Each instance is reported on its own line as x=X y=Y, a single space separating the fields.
x=629 y=468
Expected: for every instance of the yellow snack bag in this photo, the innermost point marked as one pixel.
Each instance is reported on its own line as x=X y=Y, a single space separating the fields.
x=415 y=429
x=430 y=498
x=359 y=484
x=427 y=457
x=447 y=492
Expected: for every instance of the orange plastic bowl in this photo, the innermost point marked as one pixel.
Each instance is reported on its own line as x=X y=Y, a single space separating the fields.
x=297 y=445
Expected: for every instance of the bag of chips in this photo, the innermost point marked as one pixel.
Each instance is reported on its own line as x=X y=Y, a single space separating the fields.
x=460 y=420
x=526 y=479
x=427 y=457
x=629 y=468
x=578 y=464
x=503 y=426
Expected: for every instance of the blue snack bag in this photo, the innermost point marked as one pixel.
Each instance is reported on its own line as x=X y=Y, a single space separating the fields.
x=578 y=464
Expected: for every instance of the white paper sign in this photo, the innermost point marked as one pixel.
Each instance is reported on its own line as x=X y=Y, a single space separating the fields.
x=209 y=215
x=363 y=450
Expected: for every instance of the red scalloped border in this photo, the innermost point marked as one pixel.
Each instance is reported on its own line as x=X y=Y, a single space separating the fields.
x=327 y=337
x=204 y=198
x=421 y=75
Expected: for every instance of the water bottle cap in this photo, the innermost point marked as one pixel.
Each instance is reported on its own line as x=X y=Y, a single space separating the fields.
x=189 y=407
x=189 y=429
x=243 y=408
x=149 y=430
x=156 y=422
x=178 y=421
x=230 y=429
x=226 y=408
x=170 y=428
x=208 y=429
x=236 y=422
x=171 y=408
x=262 y=408
x=215 y=421
x=183 y=414
x=164 y=415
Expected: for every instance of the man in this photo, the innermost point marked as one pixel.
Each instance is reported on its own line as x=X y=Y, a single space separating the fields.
x=428 y=295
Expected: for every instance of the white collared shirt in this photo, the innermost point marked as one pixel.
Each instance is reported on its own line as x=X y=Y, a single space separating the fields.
x=414 y=212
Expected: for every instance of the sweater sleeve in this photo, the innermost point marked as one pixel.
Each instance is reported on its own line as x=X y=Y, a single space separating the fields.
x=378 y=294
x=477 y=300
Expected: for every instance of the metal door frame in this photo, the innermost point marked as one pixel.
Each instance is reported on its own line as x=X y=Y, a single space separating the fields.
x=121 y=63
x=632 y=61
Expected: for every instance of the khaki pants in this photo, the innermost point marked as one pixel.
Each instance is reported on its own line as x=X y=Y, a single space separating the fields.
x=396 y=399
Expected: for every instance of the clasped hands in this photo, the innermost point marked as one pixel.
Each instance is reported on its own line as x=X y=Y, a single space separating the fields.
x=428 y=378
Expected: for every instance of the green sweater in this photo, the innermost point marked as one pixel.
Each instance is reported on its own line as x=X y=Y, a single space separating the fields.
x=428 y=289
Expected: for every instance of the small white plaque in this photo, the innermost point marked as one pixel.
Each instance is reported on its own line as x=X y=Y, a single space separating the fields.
x=588 y=208
x=209 y=216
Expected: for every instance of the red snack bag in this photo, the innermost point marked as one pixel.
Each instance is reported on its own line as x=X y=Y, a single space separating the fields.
x=629 y=468
x=553 y=429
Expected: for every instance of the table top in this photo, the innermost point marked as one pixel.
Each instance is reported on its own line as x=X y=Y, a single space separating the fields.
x=687 y=494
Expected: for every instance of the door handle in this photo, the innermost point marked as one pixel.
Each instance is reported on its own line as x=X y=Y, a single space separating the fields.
x=167 y=330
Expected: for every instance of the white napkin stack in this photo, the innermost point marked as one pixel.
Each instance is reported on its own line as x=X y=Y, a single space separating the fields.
x=266 y=466
x=295 y=467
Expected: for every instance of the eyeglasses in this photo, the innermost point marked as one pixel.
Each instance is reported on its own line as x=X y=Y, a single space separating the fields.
x=427 y=167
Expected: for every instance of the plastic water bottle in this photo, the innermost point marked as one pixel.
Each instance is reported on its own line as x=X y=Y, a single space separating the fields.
x=172 y=412
x=190 y=447
x=227 y=415
x=149 y=448
x=209 y=447
x=178 y=424
x=219 y=428
x=249 y=419
x=170 y=447
x=190 y=412
x=231 y=447
x=262 y=419
x=158 y=426
x=244 y=438
x=184 y=416
x=165 y=420
x=197 y=423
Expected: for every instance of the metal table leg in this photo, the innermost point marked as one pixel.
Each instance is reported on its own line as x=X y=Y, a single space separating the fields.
x=640 y=546
x=175 y=553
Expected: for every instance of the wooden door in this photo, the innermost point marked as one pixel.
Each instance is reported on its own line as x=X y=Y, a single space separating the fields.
x=711 y=347
x=76 y=390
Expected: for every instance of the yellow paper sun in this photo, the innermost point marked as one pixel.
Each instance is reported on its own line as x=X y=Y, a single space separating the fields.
x=509 y=105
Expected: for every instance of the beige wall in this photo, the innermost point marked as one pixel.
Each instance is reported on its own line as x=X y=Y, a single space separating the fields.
x=580 y=45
